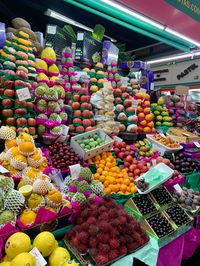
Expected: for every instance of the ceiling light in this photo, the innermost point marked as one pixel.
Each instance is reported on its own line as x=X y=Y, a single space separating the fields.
x=56 y=15
x=134 y=14
x=175 y=57
x=182 y=36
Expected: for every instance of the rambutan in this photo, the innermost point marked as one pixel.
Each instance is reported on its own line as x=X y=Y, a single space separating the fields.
x=93 y=242
x=75 y=241
x=93 y=206
x=103 y=237
x=128 y=239
x=122 y=250
x=115 y=223
x=82 y=248
x=113 y=213
x=122 y=240
x=85 y=213
x=79 y=220
x=91 y=220
x=93 y=230
x=103 y=216
x=103 y=247
x=130 y=228
x=133 y=246
x=113 y=254
x=114 y=243
x=102 y=209
x=122 y=220
x=104 y=226
x=101 y=259
x=71 y=233
x=83 y=237
x=114 y=233
x=110 y=205
x=77 y=228
x=85 y=227
x=93 y=252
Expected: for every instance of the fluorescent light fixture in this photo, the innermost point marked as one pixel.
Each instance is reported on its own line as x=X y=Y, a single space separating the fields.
x=182 y=36
x=175 y=57
x=56 y=15
x=134 y=14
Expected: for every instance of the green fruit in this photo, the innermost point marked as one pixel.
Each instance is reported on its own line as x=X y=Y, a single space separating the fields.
x=6 y=216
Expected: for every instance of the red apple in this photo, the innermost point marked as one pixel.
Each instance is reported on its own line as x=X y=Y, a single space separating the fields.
x=31 y=121
x=20 y=111
x=7 y=102
x=7 y=112
x=8 y=92
x=9 y=84
x=21 y=121
x=29 y=105
x=32 y=130
x=76 y=98
x=126 y=164
x=10 y=121
x=123 y=144
x=121 y=155
x=19 y=129
x=129 y=159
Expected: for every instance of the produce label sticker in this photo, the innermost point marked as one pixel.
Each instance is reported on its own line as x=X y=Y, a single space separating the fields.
x=107 y=85
x=3 y=170
x=178 y=188
x=40 y=261
x=75 y=170
x=197 y=144
x=142 y=90
x=23 y=94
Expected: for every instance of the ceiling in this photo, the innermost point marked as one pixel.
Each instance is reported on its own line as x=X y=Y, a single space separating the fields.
x=33 y=12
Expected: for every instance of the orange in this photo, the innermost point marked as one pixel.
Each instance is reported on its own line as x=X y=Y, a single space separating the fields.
x=108 y=160
x=134 y=189
x=106 y=183
x=98 y=158
x=123 y=188
x=149 y=117
x=107 y=190
x=112 y=180
x=139 y=109
x=126 y=181
x=141 y=115
x=151 y=124
x=147 y=110
x=147 y=129
x=143 y=123
x=96 y=176
x=102 y=161
x=109 y=165
x=129 y=189
x=147 y=103
x=105 y=173
x=99 y=170
x=102 y=178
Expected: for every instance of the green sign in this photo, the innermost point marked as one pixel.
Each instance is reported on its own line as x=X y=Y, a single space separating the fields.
x=189 y=7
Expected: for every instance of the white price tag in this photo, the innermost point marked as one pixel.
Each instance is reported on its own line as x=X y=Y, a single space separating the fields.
x=23 y=94
x=107 y=85
x=197 y=144
x=3 y=170
x=51 y=29
x=134 y=103
x=154 y=162
x=162 y=135
x=178 y=188
x=142 y=90
x=75 y=170
x=117 y=139
x=40 y=261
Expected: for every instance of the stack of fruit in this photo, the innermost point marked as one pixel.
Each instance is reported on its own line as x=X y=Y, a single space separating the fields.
x=49 y=99
x=103 y=101
x=161 y=115
x=113 y=75
x=67 y=70
x=145 y=117
x=188 y=199
x=183 y=164
x=83 y=188
x=192 y=125
x=97 y=77
x=83 y=117
x=19 y=68
x=166 y=141
x=144 y=149
x=18 y=249
x=113 y=178
x=106 y=231
x=125 y=112
x=176 y=111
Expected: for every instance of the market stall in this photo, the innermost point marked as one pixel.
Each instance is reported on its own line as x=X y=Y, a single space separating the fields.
x=91 y=171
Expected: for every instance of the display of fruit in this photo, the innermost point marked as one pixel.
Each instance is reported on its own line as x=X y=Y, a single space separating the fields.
x=183 y=164
x=176 y=110
x=188 y=199
x=145 y=117
x=62 y=156
x=112 y=177
x=166 y=141
x=144 y=204
x=178 y=215
x=160 y=225
x=161 y=115
x=144 y=148
x=192 y=125
x=162 y=196
x=106 y=231
x=91 y=142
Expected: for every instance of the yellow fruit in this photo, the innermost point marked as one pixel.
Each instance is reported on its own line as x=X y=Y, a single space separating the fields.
x=10 y=143
x=23 y=259
x=21 y=183
x=5 y=263
x=161 y=101
x=35 y=201
x=26 y=190
x=26 y=147
x=58 y=257
x=16 y=244
x=27 y=217
x=159 y=118
x=45 y=242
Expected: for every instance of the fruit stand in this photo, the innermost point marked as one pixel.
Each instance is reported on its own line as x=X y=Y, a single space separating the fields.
x=92 y=172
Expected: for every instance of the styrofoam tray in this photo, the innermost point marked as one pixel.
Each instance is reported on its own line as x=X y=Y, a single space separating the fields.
x=163 y=147
x=162 y=168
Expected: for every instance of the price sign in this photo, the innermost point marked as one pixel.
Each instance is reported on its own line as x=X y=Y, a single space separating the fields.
x=197 y=144
x=107 y=85
x=178 y=188
x=40 y=261
x=75 y=170
x=154 y=162
x=142 y=90
x=134 y=103
x=23 y=94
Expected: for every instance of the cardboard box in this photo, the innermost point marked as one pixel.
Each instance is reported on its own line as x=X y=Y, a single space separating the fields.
x=181 y=135
x=94 y=152
x=88 y=49
x=109 y=53
x=57 y=38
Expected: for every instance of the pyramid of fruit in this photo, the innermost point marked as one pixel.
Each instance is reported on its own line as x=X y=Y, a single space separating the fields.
x=113 y=75
x=176 y=110
x=50 y=96
x=83 y=117
x=18 y=70
x=97 y=77
x=161 y=114
x=145 y=117
x=106 y=231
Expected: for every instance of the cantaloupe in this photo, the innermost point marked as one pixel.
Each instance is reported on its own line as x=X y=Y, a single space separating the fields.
x=19 y=23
